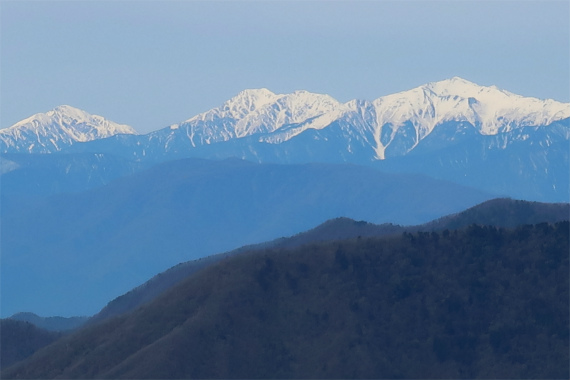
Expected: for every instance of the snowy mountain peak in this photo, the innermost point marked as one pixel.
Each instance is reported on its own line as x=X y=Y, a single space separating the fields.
x=249 y=102
x=259 y=111
x=239 y=106
x=457 y=86
x=275 y=118
x=251 y=99
x=391 y=125
x=489 y=109
x=255 y=93
x=306 y=98
x=56 y=129
x=70 y=112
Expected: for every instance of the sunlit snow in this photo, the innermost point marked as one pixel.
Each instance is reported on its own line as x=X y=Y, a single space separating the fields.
x=279 y=117
x=59 y=128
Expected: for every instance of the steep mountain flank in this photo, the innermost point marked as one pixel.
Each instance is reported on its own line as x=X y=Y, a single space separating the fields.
x=503 y=213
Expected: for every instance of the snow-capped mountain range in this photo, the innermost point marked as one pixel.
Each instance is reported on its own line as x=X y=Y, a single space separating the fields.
x=456 y=130
x=380 y=125
x=278 y=118
x=56 y=130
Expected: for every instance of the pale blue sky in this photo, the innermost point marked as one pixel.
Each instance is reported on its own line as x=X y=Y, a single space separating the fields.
x=150 y=64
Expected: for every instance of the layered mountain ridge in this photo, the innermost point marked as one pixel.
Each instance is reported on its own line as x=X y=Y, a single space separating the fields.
x=147 y=209
x=453 y=130
x=107 y=240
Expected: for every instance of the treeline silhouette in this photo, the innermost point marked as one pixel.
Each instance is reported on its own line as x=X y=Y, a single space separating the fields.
x=480 y=302
x=501 y=212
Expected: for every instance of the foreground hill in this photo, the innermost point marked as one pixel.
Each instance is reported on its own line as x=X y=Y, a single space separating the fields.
x=497 y=212
x=482 y=302
x=90 y=247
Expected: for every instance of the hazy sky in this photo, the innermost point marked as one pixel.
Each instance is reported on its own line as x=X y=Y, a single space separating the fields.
x=150 y=64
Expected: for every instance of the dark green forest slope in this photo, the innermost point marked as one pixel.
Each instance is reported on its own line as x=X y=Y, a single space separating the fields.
x=482 y=302
x=502 y=212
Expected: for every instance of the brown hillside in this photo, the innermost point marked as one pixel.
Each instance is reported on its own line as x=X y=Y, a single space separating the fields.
x=478 y=303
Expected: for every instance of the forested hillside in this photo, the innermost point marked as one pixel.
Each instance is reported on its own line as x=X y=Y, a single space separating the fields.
x=497 y=212
x=481 y=302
